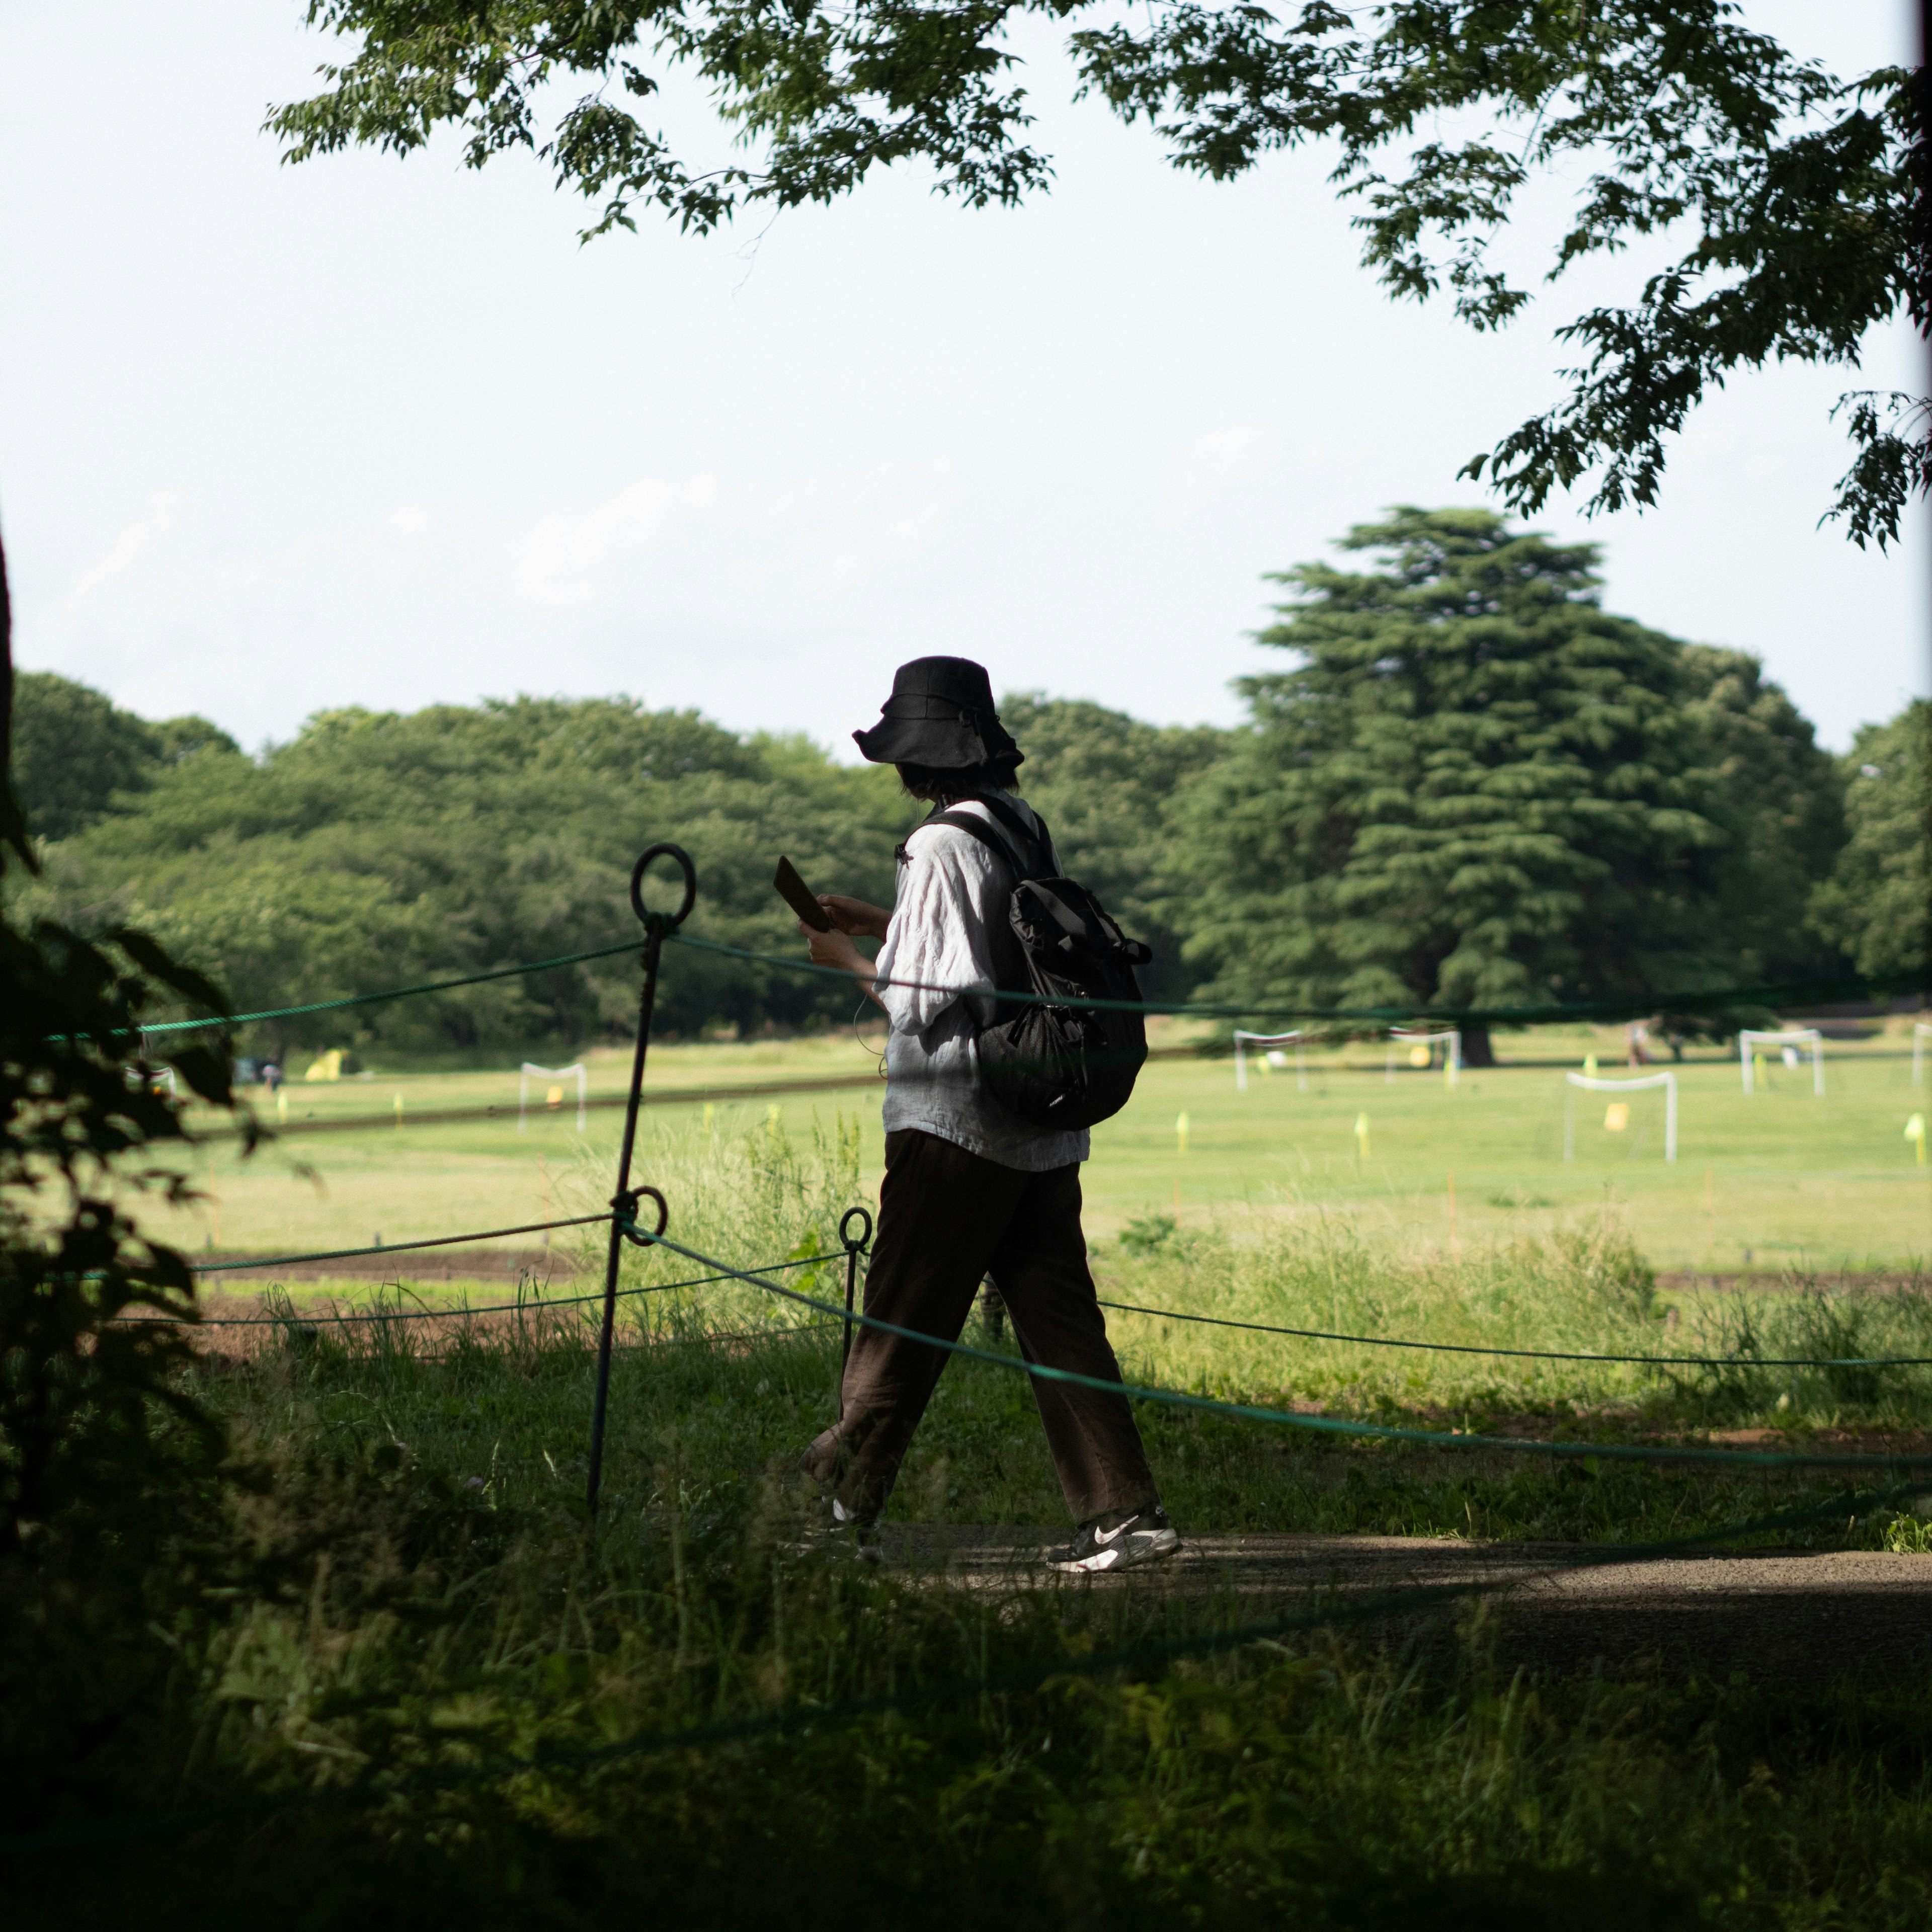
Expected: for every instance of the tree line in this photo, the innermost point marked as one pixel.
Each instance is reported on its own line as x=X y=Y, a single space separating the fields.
x=1467 y=785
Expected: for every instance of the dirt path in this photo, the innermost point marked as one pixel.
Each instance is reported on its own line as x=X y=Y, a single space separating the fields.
x=1776 y=1615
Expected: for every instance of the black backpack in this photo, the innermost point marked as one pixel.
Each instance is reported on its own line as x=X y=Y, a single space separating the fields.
x=1060 y=1065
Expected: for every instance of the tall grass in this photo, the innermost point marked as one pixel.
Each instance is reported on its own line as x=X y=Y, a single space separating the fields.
x=748 y=1199
x=1583 y=1290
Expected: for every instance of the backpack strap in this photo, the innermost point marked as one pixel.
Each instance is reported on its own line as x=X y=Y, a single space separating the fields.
x=988 y=835
x=1002 y=810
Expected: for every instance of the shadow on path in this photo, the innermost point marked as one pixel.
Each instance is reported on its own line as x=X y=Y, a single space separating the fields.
x=1784 y=1614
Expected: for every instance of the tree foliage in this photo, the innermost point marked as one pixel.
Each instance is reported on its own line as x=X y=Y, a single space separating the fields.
x=375 y=849
x=1876 y=907
x=1777 y=797
x=74 y=750
x=1795 y=199
x=1478 y=788
x=1102 y=780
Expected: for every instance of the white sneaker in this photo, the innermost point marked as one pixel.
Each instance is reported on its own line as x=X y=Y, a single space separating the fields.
x=1117 y=1542
x=842 y=1535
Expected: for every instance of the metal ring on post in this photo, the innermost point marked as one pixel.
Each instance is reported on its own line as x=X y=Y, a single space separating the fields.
x=853 y=1249
x=624 y=1201
x=626 y=1207
x=690 y=871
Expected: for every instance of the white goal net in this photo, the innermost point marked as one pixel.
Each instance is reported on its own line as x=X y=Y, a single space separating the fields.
x=1417 y=1045
x=553 y=1096
x=1273 y=1053
x=1790 y=1040
x=1617 y=1114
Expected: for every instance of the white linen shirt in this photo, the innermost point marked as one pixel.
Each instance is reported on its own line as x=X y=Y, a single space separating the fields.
x=952 y=896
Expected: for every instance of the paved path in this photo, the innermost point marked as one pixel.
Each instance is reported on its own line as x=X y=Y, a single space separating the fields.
x=1775 y=1614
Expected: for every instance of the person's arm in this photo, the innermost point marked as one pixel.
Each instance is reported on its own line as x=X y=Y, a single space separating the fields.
x=930 y=958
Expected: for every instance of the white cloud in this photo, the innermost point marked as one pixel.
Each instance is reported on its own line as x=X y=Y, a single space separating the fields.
x=136 y=545
x=658 y=587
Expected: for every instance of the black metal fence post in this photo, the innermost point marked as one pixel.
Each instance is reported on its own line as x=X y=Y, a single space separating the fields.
x=624 y=1201
x=853 y=1249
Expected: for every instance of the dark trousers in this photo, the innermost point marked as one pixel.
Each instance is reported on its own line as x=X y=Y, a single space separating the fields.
x=947 y=1218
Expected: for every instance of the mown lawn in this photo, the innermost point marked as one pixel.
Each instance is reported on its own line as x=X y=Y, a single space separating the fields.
x=1780 y=1181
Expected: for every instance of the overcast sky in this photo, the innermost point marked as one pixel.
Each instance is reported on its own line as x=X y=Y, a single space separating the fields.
x=370 y=432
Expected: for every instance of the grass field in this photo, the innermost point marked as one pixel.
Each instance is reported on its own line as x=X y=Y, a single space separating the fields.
x=1778 y=1181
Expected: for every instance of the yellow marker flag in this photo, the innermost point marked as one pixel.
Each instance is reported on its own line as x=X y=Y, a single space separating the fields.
x=1914 y=1130
x=1418 y=1056
x=554 y=1098
x=1616 y=1116
x=1362 y=1136
x=399 y=1110
x=1589 y=1066
x=1180 y=1131
x=281 y=1103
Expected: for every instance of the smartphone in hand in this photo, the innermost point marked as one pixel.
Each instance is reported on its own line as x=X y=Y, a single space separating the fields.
x=798 y=896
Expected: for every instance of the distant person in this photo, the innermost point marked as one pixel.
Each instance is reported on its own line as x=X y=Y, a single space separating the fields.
x=971 y=1189
x=1636 y=1037
x=271 y=1076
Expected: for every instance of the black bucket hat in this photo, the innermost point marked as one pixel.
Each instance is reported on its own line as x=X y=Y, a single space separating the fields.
x=940 y=714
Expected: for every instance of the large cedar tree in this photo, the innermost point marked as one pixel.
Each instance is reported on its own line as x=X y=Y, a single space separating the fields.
x=1478 y=788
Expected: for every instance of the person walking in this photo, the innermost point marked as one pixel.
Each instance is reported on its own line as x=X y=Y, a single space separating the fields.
x=971 y=1189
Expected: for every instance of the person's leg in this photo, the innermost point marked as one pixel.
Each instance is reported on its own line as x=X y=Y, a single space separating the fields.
x=941 y=1213
x=1040 y=1266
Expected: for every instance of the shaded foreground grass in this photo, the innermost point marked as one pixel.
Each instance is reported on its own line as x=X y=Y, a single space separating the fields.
x=398 y=1586
x=424 y=1596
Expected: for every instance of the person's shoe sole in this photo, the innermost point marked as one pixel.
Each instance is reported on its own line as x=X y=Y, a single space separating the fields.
x=1145 y=1548
x=840 y=1547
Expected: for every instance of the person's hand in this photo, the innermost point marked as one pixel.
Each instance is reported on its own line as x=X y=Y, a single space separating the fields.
x=856 y=916
x=835 y=948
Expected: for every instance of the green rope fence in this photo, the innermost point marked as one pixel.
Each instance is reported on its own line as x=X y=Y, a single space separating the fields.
x=1124 y=1307
x=530 y=1306
x=400 y=1247
x=1540 y=1355
x=793 y=1718
x=1329 y=1425
x=392 y=993
x=1634 y=1005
